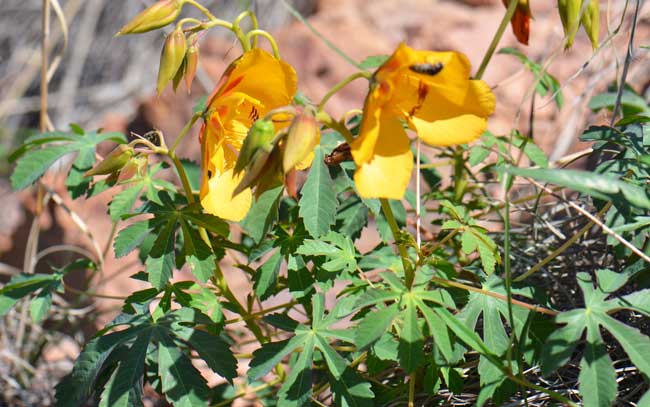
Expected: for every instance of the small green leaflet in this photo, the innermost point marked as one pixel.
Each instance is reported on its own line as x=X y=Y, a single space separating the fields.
x=39 y=152
x=546 y=83
x=318 y=202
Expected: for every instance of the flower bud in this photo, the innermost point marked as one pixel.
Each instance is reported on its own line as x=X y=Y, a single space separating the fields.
x=156 y=16
x=191 y=63
x=135 y=167
x=570 y=16
x=520 y=21
x=591 y=22
x=258 y=141
x=303 y=136
x=113 y=162
x=171 y=58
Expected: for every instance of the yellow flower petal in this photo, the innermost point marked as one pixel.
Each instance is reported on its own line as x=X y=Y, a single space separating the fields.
x=219 y=201
x=260 y=74
x=252 y=86
x=444 y=124
x=387 y=173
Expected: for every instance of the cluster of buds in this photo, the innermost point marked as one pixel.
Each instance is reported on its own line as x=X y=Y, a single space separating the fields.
x=180 y=55
x=266 y=156
x=179 y=59
x=120 y=164
x=574 y=13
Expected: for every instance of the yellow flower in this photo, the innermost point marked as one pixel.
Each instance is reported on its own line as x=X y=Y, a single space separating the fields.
x=432 y=93
x=252 y=85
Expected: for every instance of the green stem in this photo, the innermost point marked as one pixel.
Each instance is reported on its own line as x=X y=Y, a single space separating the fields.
x=341 y=85
x=459 y=176
x=184 y=132
x=182 y=175
x=328 y=121
x=254 y=23
x=224 y=289
x=409 y=273
x=535 y=308
x=512 y=6
x=507 y=269
x=255 y=33
x=202 y=9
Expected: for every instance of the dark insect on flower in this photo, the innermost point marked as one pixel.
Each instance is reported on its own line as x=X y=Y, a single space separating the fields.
x=426 y=69
x=341 y=153
x=153 y=136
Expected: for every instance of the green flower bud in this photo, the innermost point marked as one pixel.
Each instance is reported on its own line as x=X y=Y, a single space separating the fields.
x=113 y=162
x=171 y=58
x=191 y=64
x=570 y=16
x=303 y=136
x=591 y=22
x=258 y=141
x=156 y=16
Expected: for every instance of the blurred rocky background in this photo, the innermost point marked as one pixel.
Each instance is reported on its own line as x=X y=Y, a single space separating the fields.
x=108 y=82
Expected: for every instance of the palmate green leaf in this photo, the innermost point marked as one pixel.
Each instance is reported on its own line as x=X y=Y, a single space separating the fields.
x=262 y=214
x=270 y=354
x=297 y=388
x=124 y=388
x=351 y=391
x=440 y=333
x=531 y=150
x=635 y=344
x=340 y=252
x=122 y=203
x=267 y=275
x=193 y=214
x=22 y=285
x=77 y=183
x=212 y=349
x=374 y=325
x=197 y=253
x=631 y=102
x=33 y=160
x=352 y=217
x=33 y=165
x=411 y=340
x=181 y=383
x=546 y=82
x=597 y=379
x=131 y=237
x=160 y=261
x=79 y=385
x=318 y=202
x=561 y=344
x=596 y=185
x=41 y=304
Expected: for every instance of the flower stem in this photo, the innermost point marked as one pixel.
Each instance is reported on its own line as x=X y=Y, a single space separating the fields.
x=409 y=273
x=512 y=6
x=182 y=175
x=254 y=23
x=256 y=33
x=341 y=85
x=184 y=132
x=224 y=289
x=202 y=9
x=328 y=121
x=536 y=308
